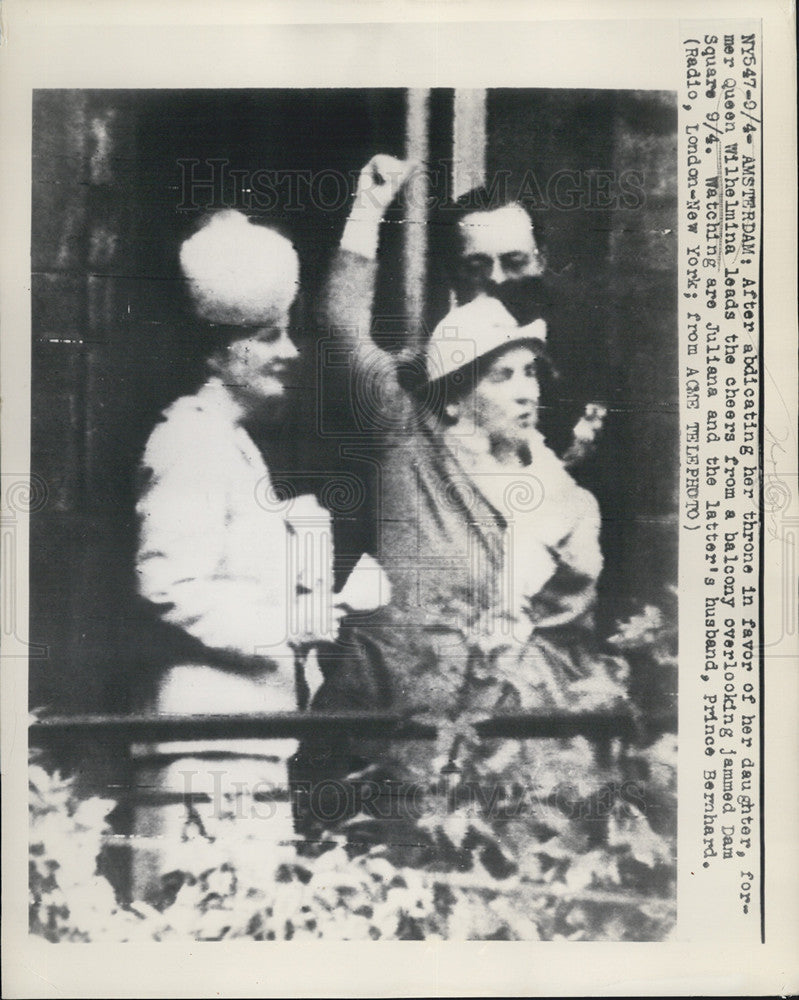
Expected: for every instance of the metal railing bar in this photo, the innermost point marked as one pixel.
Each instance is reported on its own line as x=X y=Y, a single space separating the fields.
x=558 y=725
x=146 y=728
x=151 y=728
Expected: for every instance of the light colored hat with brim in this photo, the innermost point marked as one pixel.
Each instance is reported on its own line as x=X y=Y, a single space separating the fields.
x=240 y=274
x=470 y=331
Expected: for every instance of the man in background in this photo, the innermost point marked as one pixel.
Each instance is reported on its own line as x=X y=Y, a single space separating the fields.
x=488 y=246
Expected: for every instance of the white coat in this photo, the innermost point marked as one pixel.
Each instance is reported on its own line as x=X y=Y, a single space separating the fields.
x=219 y=554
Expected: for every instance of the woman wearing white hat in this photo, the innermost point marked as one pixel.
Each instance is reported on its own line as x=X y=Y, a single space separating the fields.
x=245 y=575
x=491 y=548
x=213 y=553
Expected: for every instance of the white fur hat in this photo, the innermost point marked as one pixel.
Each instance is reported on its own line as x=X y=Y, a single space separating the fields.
x=472 y=330
x=240 y=274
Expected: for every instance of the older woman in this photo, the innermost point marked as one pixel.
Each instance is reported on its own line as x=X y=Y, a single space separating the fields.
x=491 y=548
x=479 y=524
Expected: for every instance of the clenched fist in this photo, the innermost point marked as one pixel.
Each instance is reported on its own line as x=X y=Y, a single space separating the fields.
x=380 y=182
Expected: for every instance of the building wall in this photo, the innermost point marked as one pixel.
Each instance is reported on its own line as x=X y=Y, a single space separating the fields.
x=112 y=344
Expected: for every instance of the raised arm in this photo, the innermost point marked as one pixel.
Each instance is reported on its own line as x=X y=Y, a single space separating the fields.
x=349 y=295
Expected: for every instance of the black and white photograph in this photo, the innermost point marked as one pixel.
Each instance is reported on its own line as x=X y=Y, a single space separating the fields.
x=354 y=414
x=399 y=499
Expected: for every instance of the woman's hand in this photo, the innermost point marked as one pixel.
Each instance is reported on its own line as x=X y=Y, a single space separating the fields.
x=380 y=182
x=585 y=435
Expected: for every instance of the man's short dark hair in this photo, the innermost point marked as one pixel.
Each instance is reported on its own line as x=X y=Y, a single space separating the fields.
x=445 y=232
x=483 y=199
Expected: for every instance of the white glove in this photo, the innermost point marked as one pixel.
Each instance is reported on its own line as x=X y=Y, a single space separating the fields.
x=379 y=183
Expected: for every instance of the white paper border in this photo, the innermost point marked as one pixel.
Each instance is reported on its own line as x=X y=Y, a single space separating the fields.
x=615 y=45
